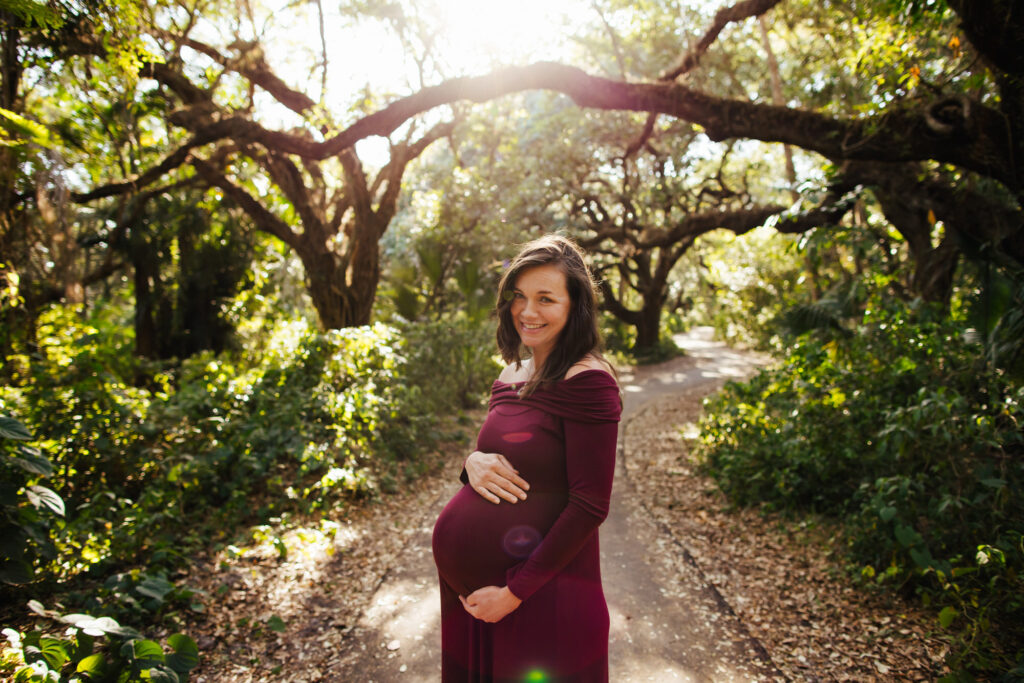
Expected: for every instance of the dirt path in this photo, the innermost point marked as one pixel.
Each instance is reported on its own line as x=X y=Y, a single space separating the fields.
x=668 y=623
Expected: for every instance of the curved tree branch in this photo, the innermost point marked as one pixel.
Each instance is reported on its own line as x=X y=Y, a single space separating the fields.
x=264 y=219
x=977 y=139
x=899 y=135
x=723 y=17
x=251 y=63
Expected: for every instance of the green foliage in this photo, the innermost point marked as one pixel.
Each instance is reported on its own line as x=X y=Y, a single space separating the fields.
x=995 y=311
x=902 y=430
x=25 y=506
x=738 y=284
x=439 y=277
x=304 y=420
x=95 y=649
x=620 y=342
x=32 y=12
x=17 y=130
x=452 y=362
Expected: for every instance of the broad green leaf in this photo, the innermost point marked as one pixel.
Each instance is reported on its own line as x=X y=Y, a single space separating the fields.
x=147 y=651
x=161 y=674
x=186 y=653
x=922 y=558
x=122 y=631
x=33 y=463
x=83 y=646
x=994 y=483
x=106 y=626
x=947 y=615
x=75 y=619
x=887 y=513
x=155 y=587
x=276 y=623
x=12 y=429
x=15 y=572
x=20 y=130
x=94 y=666
x=906 y=535
x=40 y=495
x=54 y=652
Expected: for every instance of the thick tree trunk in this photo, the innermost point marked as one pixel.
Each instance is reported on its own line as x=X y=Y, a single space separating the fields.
x=913 y=199
x=648 y=327
x=146 y=339
x=339 y=302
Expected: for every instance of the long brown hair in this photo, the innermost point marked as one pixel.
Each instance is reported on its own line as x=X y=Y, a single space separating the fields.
x=580 y=335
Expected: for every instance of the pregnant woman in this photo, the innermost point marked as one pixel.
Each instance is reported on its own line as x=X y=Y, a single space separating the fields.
x=517 y=547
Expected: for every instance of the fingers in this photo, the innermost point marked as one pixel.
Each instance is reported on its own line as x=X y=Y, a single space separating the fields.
x=494 y=478
x=489 y=604
x=507 y=490
x=513 y=475
x=472 y=608
x=487 y=495
x=510 y=485
x=504 y=461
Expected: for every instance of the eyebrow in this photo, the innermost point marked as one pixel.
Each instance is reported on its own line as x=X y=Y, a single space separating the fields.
x=542 y=291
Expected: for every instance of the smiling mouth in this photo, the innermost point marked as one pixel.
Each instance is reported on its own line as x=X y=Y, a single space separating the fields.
x=531 y=328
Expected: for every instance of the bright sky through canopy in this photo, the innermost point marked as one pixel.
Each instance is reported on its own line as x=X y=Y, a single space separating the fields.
x=470 y=37
x=366 y=55
x=479 y=32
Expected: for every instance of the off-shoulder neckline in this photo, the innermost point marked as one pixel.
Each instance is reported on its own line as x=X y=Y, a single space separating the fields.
x=564 y=379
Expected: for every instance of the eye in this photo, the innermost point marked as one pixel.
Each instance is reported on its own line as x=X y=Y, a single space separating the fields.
x=547 y=300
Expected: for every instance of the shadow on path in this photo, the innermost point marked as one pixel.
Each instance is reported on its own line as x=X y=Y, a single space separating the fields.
x=667 y=622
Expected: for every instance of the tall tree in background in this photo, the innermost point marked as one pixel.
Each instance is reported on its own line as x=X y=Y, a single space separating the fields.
x=41 y=233
x=332 y=224
x=945 y=103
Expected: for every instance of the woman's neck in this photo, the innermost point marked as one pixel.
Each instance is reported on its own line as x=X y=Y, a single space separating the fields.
x=538 y=357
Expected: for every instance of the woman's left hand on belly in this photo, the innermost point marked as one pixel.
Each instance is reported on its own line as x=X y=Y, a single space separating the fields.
x=490 y=603
x=493 y=477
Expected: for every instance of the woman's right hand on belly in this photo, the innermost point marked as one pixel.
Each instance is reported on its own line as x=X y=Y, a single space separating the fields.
x=493 y=477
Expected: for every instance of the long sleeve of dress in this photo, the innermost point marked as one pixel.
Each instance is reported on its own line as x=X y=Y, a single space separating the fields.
x=590 y=466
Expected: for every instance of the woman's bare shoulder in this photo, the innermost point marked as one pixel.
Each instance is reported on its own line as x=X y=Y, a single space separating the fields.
x=515 y=372
x=589 y=362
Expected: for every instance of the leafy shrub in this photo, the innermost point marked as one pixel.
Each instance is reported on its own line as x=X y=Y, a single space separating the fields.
x=311 y=419
x=453 y=362
x=907 y=434
x=25 y=505
x=155 y=459
x=96 y=649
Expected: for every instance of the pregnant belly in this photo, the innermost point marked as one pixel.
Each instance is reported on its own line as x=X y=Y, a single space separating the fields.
x=475 y=541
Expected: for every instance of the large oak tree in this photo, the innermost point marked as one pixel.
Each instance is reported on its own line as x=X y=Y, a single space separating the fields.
x=335 y=229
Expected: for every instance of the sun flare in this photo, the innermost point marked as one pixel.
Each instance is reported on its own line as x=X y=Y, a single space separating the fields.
x=482 y=33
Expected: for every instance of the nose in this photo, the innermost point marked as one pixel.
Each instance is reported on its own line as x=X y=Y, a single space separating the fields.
x=528 y=309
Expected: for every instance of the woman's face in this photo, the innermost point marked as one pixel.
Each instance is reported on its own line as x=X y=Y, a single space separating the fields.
x=541 y=307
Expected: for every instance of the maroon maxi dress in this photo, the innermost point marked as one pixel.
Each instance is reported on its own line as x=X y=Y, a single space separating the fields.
x=545 y=548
